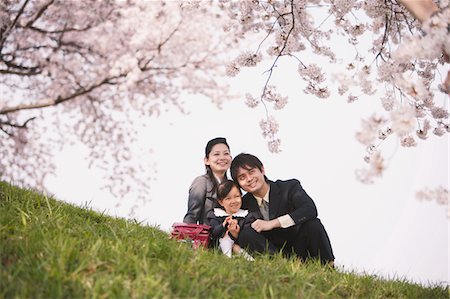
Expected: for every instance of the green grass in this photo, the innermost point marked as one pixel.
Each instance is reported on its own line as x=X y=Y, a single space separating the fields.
x=50 y=249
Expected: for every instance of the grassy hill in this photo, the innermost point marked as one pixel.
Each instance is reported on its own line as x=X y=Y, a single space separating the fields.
x=50 y=249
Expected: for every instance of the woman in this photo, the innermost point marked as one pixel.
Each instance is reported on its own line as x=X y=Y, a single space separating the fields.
x=203 y=190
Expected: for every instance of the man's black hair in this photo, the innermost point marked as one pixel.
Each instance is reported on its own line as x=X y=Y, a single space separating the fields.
x=246 y=161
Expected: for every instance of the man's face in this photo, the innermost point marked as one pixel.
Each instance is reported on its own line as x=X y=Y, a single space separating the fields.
x=251 y=180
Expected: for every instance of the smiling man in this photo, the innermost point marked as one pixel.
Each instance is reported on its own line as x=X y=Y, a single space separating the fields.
x=285 y=216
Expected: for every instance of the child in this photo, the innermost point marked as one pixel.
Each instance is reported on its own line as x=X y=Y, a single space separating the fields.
x=227 y=221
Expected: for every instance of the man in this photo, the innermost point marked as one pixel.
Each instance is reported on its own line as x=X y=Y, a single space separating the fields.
x=285 y=215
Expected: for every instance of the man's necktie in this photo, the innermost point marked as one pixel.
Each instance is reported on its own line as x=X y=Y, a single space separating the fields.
x=264 y=208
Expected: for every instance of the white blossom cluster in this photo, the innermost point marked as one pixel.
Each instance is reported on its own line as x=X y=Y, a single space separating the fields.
x=246 y=59
x=374 y=169
x=269 y=127
x=272 y=96
x=251 y=101
x=403 y=120
x=313 y=75
x=370 y=129
x=439 y=195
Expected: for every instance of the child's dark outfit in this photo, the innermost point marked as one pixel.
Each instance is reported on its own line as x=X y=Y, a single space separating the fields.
x=219 y=233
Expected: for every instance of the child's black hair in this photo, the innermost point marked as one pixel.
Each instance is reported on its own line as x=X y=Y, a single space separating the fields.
x=225 y=187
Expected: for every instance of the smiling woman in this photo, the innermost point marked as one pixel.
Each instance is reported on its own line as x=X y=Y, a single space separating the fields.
x=203 y=190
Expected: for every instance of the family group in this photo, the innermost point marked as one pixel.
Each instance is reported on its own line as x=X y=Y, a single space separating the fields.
x=272 y=216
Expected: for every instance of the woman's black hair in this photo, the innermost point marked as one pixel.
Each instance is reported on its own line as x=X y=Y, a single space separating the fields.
x=225 y=187
x=208 y=149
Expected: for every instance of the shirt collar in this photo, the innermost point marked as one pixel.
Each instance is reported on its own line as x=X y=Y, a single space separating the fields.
x=218 y=212
x=265 y=197
x=219 y=180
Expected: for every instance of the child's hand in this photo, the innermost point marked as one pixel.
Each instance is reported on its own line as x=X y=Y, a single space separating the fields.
x=233 y=228
x=224 y=223
x=227 y=221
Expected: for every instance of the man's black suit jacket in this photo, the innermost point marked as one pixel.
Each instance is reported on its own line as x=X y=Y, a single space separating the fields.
x=305 y=238
x=285 y=197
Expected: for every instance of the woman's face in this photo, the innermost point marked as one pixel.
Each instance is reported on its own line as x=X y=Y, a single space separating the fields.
x=219 y=159
x=232 y=202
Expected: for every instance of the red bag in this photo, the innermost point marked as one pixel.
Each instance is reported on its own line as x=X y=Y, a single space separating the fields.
x=196 y=234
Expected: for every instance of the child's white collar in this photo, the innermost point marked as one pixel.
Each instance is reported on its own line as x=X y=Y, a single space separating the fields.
x=218 y=212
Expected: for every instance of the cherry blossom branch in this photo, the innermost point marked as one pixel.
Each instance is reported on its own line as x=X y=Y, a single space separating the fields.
x=268 y=34
x=39 y=13
x=22 y=126
x=43 y=31
x=5 y=34
x=385 y=35
x=31 y=72
x=17 y=69
x=298 y=59
x=144 y=67
x=59 y=100
x=270 y=71
x=14 y=125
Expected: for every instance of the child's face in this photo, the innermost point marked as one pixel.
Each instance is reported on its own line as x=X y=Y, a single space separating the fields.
x=232 y=202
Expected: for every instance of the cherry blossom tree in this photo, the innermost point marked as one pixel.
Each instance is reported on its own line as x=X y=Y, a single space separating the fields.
x=86 y=70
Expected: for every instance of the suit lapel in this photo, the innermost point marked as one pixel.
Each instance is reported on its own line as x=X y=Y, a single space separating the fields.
x=252 y=204
x=274 y=201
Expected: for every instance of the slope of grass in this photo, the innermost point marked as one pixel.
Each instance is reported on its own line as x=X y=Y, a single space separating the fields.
x=50 y=249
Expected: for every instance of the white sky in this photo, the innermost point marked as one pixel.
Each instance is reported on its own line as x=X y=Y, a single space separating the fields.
x=381 y=229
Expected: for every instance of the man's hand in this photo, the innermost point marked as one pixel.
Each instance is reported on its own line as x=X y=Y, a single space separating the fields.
x=262 y=225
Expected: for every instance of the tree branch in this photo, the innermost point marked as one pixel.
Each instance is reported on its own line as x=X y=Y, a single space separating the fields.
x=59 y=100
x=61 y=30
x=14 y=126
x=19 y=69
x=39 y=13
x=2 y=41
x=17 y=126
x=270 y=71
